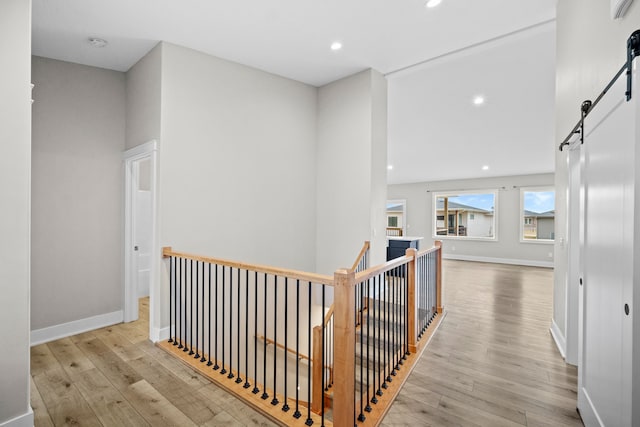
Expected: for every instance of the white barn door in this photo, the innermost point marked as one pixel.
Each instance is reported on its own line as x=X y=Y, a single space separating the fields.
x=610 y=191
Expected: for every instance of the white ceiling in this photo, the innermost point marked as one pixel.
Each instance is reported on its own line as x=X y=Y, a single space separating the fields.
x=434 y=132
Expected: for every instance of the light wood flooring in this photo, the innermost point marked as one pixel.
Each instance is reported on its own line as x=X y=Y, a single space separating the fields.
x=116 y=377
x=492 y=362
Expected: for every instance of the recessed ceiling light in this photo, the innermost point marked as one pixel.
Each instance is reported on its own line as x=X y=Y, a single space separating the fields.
x=478 y=100
x=485 y=168
x=432 y=3
x=336 y=46
x=389 y=167
x=97 y=42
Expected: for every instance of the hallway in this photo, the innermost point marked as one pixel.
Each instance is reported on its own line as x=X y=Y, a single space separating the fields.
x=115 y=376
x=493 y=361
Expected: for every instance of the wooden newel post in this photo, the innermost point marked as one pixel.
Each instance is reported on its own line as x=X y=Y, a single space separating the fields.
x=439 y=308
x=317 y=391
x=344 y=318
x=412 y=313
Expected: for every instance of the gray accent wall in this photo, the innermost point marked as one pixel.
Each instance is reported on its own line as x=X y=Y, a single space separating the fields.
x=77 y=192
x=15 y=176
x=507 y=248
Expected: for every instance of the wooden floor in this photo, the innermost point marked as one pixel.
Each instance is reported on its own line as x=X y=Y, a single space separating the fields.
x=492 y=362
x=116 y=377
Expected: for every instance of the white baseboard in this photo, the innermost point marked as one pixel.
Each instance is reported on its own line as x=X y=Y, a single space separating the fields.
x=51 y=333
x=559 y=338
x=527 y=262
x=587 y=411
x=159 y=334
x=25 y=420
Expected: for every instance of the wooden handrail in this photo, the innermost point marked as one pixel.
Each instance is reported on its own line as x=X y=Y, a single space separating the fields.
x=319 y=279
x=382 y=268
x=363 y=251
x=282 y=347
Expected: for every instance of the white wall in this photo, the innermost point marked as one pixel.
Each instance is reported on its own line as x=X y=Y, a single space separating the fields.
x=237 y=162
x=507 y=248
x=78 y=139
x=586 y=61
x=15 y=171
x=143 y=99
x=351 y=162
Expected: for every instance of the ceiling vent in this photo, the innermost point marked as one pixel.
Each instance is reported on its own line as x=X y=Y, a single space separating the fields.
x=619 y=8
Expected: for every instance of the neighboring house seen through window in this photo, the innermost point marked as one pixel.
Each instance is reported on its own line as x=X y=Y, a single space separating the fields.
x=537 y=214
x=465 y=215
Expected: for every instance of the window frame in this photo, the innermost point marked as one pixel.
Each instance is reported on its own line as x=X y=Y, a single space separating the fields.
x=521 y=216
x=434 y=212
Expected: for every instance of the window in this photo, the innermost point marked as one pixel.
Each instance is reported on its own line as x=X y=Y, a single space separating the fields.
x=392 y=221
x=469 y=215
x=537 y=214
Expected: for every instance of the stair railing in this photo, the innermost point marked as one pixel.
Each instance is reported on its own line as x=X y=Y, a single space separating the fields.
x=322 y=396
x=248 y=328
x=377 y=354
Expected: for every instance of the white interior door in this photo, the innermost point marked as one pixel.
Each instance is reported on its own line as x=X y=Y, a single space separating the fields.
x=142 y=225
x=141 y=254
x=573 y=241
x=605 y=370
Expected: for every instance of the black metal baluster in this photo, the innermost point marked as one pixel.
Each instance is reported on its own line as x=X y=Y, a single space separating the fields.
x=392 y=323
x=406 y=315
x=361 y=416
x=274 y=401
x=216 y=366
x=396 y=279
x=387 y=325
x=230 y=323
x=246 y=331
x=309 y=421
x=209 y=363
x=191 y=307
x=369 y=308
x=172 y=283
x=285 y=407
x=186 y=305
x=264 y=354
x=255 y=390
x=401 y=283
x=197 y=356
x=223 y=370
x=180 y=305
x=376 y=340
x=297 y=413
x=421 y=299
x=202 y=359
x=239 y=377
x=176 y=313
